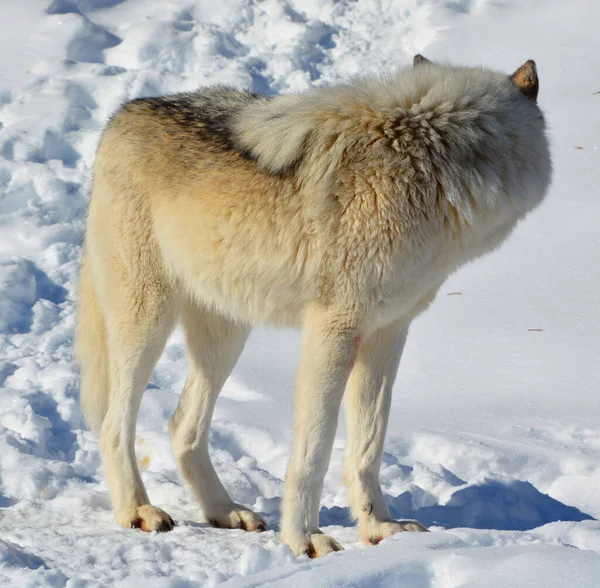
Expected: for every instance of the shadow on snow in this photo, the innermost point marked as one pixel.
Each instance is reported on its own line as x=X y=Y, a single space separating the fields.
x=508 y=506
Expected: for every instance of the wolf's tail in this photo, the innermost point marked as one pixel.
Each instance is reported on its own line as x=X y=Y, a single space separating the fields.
x=91 y=351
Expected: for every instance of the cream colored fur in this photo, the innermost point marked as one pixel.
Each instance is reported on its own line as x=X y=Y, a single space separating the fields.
x=341 y=210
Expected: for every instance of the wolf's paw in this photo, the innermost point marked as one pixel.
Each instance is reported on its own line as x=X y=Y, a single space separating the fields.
x=373 y=532
x=147 y=518
x=235 y=516
x=315 y=545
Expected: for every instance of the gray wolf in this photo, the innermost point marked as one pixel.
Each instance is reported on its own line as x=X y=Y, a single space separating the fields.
x=341 y=210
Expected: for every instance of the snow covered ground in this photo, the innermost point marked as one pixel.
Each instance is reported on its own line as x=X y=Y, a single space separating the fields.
x=494 y=439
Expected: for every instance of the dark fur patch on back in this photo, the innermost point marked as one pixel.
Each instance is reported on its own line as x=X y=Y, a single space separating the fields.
x=208 y=112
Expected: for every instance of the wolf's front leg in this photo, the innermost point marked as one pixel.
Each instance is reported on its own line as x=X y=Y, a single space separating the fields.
x=368 y=397
x=328 y=350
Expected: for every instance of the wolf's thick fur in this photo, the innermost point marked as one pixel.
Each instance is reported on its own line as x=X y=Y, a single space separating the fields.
x=342 y=210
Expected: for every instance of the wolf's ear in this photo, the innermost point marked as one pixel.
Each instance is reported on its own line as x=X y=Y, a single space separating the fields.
x=526 y=79
x=418 y=60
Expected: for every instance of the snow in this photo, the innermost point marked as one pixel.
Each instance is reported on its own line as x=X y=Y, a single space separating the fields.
x=493 y=439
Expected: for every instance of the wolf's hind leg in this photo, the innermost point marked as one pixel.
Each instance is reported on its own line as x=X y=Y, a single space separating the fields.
x=139 y=320
x=214 y=345
x=367 y=403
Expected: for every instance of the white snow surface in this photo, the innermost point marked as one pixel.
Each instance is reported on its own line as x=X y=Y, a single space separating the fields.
x=494 y=437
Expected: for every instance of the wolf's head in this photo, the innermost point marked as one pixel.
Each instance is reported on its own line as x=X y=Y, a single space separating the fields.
x=475 y=134
x=525 y=78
